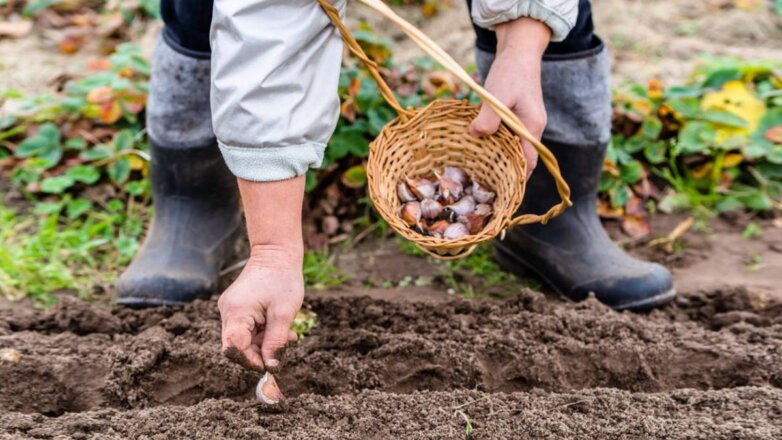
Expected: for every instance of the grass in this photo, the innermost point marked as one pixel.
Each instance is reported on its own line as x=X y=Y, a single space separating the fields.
x=319 y=271
x=476 y=276
x=70 y=245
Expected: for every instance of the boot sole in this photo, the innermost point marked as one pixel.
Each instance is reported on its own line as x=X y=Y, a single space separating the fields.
x=148 y=302
x=515 y=265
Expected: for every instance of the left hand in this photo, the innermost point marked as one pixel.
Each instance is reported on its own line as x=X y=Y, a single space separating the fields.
x=514 y=78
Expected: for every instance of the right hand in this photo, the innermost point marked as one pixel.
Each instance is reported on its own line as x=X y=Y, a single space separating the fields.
x=257 y=310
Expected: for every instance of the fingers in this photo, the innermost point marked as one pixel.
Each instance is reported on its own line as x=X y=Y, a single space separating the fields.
x=486 y=123
x=238 y=344
x=276 y=335
x=531 y=155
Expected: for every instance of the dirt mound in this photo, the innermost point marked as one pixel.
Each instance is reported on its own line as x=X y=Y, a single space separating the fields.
x=567 y=370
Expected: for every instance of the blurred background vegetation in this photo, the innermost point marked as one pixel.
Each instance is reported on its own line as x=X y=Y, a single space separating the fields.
x=74 y=163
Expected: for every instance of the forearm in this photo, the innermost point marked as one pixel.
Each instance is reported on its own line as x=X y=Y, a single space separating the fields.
x=525 y=37
x=273 y=212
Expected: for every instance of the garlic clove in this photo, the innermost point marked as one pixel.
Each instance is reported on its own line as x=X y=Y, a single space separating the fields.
x=450 y=190
x=474 y=222
x=411 y=213
x=267 y=390
x=438 y=228
x=483 y=209
x=464 y=206
x=455 y=230
x=431 y=209
x=421 y=188
x=481 y=194
x=405 y=195
x=454 y=173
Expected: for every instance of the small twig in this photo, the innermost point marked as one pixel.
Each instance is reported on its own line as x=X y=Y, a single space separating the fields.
x=669 y=241
x=363 y=234
x=470 y=403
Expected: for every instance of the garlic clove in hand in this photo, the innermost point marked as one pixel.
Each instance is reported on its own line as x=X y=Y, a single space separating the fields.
x=267 y=390
x=411 y=213
x=421 y=188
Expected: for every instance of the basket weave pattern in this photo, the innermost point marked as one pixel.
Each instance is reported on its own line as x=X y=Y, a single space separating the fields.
x=435 y=136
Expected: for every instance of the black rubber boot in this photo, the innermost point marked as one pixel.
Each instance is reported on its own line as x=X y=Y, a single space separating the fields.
x=196 y=218
x=572 y=253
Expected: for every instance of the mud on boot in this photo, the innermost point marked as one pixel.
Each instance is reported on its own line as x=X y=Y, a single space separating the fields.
x=196 y=218
x=572 y=253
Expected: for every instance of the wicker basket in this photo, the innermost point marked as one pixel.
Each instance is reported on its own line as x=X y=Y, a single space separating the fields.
x=419 y=140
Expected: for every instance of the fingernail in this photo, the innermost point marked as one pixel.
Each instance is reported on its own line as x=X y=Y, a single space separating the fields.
x=271 y=363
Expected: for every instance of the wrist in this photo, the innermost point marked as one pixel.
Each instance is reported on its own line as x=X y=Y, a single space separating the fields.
x=288 y=255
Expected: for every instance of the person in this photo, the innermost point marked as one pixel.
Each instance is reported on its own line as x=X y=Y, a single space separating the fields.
x=274 y=71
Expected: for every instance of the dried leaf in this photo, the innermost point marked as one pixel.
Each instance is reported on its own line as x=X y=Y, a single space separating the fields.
x=636 y=226
x=605 y=210
x=774 y=134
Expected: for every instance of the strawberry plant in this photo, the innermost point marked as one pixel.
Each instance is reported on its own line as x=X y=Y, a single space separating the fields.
x=712 y=145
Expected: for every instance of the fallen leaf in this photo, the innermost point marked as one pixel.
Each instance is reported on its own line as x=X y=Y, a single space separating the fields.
x=774 y=134
x=636 y=226
x=605 y=210
x=15 y=29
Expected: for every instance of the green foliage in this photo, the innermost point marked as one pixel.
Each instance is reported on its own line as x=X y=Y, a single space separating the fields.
x=716 y=142
x=68 y=245
x=476 y=276
x=320 y=272
x=90 y=133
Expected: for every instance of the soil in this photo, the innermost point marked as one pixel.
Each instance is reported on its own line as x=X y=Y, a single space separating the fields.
x=415 y=362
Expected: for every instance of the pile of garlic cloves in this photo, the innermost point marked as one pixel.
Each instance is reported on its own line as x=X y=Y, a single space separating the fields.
x=449 y=206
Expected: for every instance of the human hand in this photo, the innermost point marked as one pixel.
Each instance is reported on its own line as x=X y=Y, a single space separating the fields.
x=257 y=310
x=514 y=78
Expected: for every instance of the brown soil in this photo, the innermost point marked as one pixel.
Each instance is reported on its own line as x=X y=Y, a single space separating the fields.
x=708 y=366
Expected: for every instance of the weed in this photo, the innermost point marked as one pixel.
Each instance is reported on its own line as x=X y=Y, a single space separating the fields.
x=320 y=272
x=67 y=245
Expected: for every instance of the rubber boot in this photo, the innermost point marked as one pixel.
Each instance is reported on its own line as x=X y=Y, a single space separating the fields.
x=572 y=253
x=196 y=218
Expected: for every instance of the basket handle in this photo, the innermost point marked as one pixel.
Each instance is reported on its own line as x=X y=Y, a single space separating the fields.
x=439 y=55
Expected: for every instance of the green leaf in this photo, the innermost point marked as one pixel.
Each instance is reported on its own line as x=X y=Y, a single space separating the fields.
x=655 y=152
x=311 y=181
x=355 y=177
x=724 y=118
x=631 y=172
x=652 y=128
x=44 y=145
x=757 y=200
x=775 y=155
x=137 y=187
x=348 y=141
x=119 y=170
x=123 y=140
x=728 y=203
x=84 y=174
x=98 y=152
x=676 y=92
x=688 y=108
x=674 y=202
x=696 y=137
x=75 y=144
x=77 y=207
x=57 y=184
x=719 y=77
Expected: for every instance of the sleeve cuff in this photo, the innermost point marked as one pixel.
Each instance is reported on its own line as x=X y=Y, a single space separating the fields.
x=560 y=26
x=272 y=164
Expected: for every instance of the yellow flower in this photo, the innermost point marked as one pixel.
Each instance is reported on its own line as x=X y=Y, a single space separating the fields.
x=737 y=99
